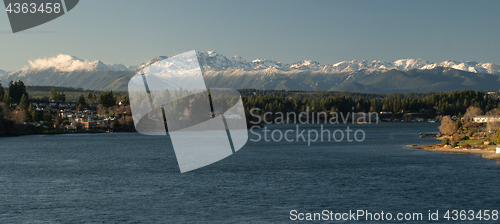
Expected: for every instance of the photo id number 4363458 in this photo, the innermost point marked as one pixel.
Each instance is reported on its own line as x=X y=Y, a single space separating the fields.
x=471 y=215
x=34 y=8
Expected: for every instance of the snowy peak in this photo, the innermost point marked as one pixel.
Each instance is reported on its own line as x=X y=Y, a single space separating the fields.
x=404 y=64
x=264 y=64
x=470 y=66
x=68 y=63
x=213 y=60
x=154 y=60
x=3 y=73
x=306 y=64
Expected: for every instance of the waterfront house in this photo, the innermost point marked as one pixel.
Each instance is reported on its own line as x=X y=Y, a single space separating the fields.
x=70 y=127
x=89 y=125
x=486 y=119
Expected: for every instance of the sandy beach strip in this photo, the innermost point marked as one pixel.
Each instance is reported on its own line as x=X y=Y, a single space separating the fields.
x=487 y=154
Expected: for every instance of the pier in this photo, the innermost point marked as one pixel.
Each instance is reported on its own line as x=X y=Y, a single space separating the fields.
x=428 y=135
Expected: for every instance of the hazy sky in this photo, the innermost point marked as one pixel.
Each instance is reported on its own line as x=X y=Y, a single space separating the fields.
x=133 y=32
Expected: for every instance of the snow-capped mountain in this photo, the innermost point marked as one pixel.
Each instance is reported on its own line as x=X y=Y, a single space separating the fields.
x=68 y=63
x=211 y=59
x=236 y=72
x=3 y=73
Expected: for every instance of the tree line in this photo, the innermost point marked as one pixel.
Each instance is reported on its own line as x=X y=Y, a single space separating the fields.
x=448 y=103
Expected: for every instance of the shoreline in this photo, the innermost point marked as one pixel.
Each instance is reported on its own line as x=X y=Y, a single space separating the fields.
x=487 y=154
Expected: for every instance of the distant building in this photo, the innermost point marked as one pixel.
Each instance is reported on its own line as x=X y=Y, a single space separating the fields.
x=70 y=127
x=424 y=110
x=418 y=119
x=89 y=125
x=485 y=119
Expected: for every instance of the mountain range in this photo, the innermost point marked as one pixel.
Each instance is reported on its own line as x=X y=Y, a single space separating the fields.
x=405 y=75
x=3 y=73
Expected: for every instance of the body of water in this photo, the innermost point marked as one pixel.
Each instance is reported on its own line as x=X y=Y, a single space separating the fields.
x=131 y=178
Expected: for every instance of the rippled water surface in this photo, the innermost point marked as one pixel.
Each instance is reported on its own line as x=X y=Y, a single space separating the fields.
x=130 y=178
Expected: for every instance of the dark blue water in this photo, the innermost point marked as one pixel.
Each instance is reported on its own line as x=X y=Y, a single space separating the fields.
x=131 y=178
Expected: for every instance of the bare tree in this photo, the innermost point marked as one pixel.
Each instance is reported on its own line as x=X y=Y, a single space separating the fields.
x=128 y=110
x=91 y=101
x=121 y=110
x=447 y=125
x=472 y=112
x=114 y=110
x=19 y=116
x=491 y=125
x=493 y=113
x=100 y=109
x=4 y=111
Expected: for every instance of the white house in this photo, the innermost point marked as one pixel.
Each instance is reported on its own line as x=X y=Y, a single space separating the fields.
x=485 y=119
x=498 y=149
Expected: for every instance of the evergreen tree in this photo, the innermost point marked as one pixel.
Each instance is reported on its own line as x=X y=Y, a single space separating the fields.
x=6 y=99
x=16 y=91
x=458 y=125
x=1 y=91
x=34 y=116
x=58 y=119
x=47 y=117
x=81 y=101
x=29 y=112
x=24 y=102
x=497 y=137
x=62 y=96
x=53 y=94
x=125 y=99
x=107 y=99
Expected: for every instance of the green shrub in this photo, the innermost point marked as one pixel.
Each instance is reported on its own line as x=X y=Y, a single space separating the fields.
x=445 y=141
x=455 y=144
x=465 y=137
x=497 y=137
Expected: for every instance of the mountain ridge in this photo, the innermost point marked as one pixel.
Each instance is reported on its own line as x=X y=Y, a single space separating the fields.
x=236 y=72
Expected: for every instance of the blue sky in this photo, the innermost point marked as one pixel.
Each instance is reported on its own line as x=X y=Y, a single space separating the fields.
x=133 y=32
